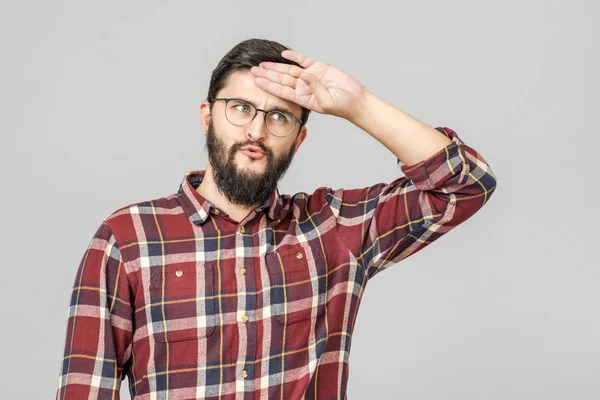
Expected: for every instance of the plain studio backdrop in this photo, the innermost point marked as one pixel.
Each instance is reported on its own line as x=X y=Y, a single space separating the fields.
x=99 y=109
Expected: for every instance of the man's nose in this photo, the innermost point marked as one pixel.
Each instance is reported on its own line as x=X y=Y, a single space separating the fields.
x=257 y=129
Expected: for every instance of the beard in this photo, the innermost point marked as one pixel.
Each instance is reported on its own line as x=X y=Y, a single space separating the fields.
x=242 y=187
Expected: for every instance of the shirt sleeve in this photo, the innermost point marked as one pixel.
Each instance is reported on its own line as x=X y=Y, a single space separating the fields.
x=99 y=327
x=386 y=223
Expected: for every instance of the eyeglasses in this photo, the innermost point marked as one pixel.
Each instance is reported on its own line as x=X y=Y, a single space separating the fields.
x=240 y=113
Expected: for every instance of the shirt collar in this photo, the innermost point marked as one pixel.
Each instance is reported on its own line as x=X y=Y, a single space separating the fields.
x=198 y=208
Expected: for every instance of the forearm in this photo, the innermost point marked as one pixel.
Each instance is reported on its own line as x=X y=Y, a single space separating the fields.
x=409 y=139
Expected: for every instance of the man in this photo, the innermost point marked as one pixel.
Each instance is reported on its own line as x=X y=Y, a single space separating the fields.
x=228 y=289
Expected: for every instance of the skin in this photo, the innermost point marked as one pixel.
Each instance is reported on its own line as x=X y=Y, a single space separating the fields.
x=322 y=88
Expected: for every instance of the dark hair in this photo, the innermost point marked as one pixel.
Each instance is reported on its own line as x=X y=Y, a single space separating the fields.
x=244 y=56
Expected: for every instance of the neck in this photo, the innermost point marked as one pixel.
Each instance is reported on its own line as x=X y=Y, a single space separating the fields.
x=208 y=189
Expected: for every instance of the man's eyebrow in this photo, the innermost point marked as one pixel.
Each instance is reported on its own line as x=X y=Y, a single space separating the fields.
x=276 y=108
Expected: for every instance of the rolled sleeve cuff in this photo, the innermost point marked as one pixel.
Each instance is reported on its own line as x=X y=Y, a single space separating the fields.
x=439 y=168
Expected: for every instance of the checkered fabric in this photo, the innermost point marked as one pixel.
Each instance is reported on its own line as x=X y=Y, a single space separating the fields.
x=190 y=304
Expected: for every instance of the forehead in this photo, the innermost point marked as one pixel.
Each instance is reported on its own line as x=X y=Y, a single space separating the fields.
x=241 y=84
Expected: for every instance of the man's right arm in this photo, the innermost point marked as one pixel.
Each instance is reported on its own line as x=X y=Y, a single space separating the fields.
x=99 y=329
x=385 y=223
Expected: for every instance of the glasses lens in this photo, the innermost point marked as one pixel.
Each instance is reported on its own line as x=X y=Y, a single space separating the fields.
x=239 y=112
x=280 y=123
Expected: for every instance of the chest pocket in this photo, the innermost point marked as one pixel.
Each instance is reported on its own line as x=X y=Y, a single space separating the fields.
x=182 y=301
x=298 y=285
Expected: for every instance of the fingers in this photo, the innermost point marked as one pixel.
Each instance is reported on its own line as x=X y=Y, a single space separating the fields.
x=278 y=77
x=300 y=58
x=292 y=70
x=277 y=89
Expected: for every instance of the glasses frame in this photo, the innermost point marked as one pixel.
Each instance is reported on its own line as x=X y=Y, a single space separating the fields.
x=256 y=110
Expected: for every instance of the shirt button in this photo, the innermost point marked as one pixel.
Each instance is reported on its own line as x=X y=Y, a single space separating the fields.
x=179 y=273
x=216 y=211
x=243 y=271
x=244 y=373
x=242 y=229
x=245 y=318
x=299 y=255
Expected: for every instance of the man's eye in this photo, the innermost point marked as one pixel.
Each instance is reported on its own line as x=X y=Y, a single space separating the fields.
x=243 y=108
x=279 y=116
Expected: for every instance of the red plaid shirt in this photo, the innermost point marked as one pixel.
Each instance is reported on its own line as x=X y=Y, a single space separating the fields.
x=190 y=304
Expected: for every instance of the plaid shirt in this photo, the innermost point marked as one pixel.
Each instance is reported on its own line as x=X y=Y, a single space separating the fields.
x=190 y=304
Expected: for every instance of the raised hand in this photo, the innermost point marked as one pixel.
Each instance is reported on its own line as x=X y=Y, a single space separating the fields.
x=317 y=86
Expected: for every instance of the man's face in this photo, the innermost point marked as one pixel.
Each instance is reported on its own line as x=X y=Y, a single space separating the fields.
x=241 y=177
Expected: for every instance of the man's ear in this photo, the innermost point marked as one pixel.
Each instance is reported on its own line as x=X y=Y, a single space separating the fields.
x=205 y=116
x=301 y=137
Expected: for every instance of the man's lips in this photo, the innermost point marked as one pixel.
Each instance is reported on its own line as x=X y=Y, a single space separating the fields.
x=253 y=148
x=252 y=152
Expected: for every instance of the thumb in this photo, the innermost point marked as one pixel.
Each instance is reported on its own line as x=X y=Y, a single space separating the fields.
x=315 y=84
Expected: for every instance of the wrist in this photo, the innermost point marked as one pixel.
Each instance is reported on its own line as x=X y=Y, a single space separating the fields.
x=363 y=110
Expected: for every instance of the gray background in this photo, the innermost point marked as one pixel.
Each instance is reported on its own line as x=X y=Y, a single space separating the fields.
x=99 y=109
